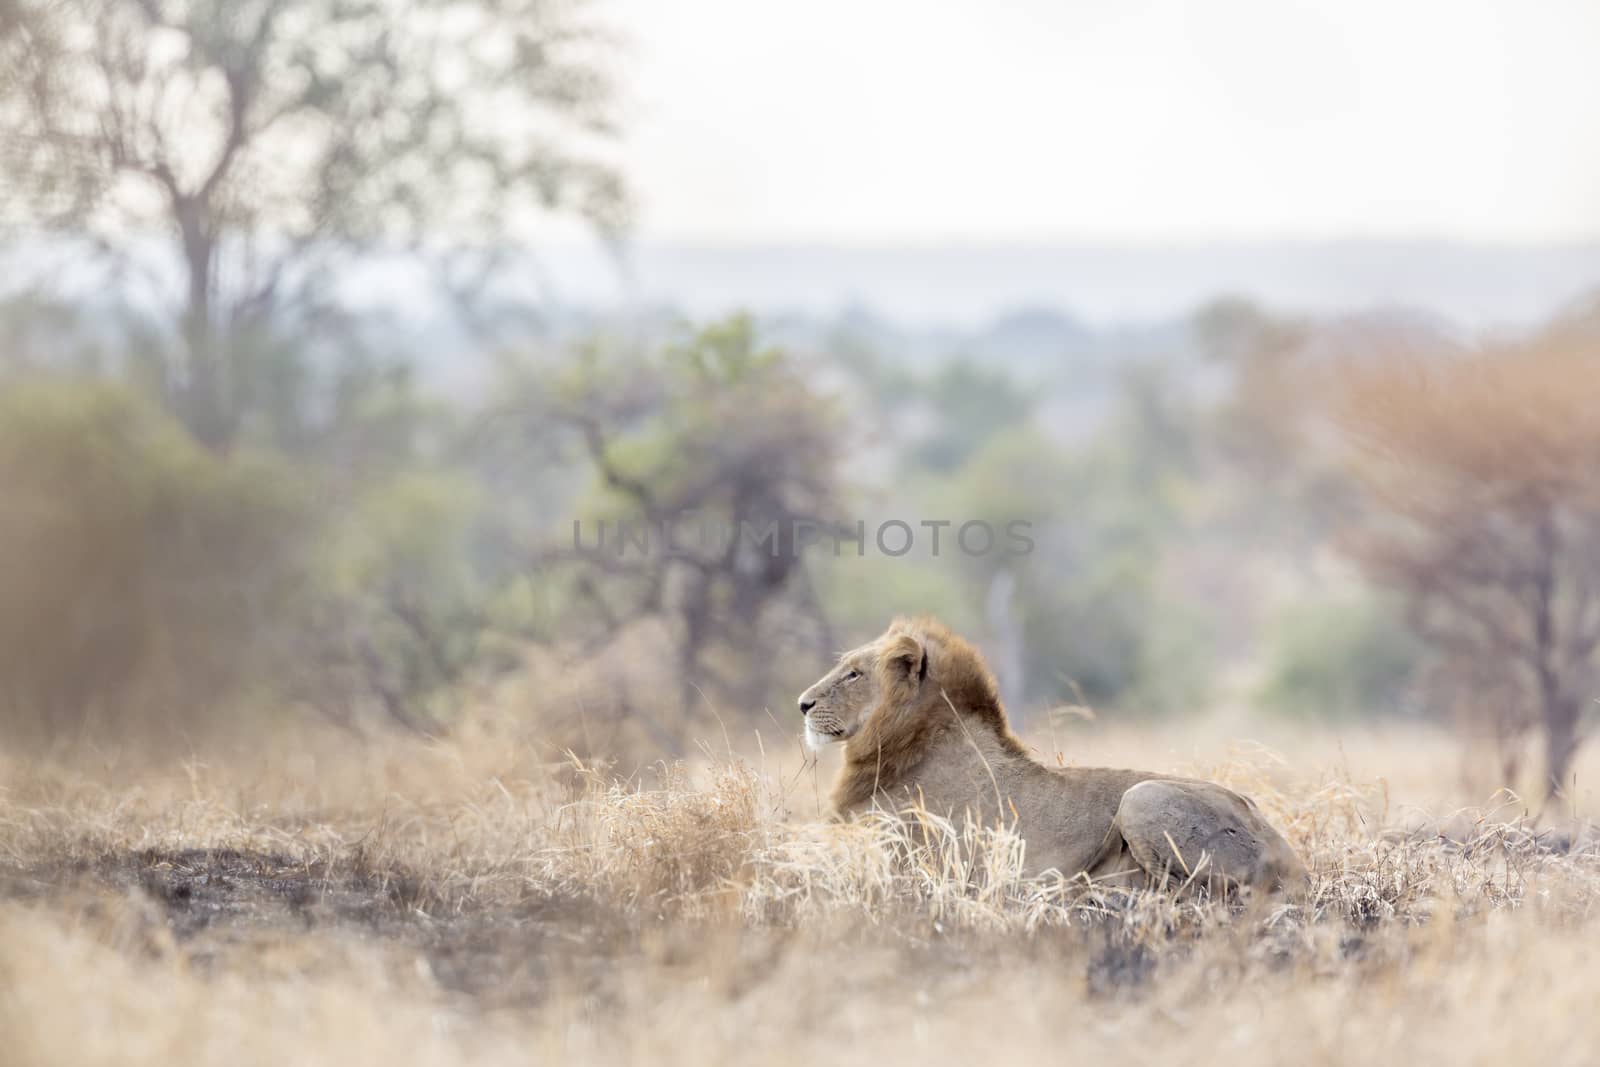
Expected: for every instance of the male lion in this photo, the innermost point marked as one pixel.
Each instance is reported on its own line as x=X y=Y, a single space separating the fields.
x=921 y=722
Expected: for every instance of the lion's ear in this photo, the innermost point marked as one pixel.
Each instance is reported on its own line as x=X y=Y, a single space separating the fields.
x=905 y=663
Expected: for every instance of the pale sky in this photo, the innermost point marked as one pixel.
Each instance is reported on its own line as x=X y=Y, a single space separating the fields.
x=1039 y=120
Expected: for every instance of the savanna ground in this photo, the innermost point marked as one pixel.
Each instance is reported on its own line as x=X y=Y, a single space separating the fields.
x=310 y=901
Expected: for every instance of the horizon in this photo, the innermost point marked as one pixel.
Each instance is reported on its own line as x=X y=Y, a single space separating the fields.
x=1476 y=285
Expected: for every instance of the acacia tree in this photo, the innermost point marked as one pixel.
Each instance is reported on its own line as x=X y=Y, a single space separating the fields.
x=1484 y=479
x=267 y=141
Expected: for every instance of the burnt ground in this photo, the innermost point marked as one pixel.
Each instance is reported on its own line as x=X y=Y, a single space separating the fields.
x=221 y=908
x=217 y=905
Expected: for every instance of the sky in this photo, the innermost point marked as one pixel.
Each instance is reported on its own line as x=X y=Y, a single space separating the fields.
x=937 y=121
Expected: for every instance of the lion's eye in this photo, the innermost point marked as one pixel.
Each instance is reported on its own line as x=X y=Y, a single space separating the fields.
x=852 y=676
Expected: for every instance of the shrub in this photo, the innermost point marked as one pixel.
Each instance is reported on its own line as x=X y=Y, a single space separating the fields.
x=1340 y=658
x=134 y=565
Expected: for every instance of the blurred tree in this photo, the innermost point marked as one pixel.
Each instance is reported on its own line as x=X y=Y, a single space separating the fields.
x=397 y=612
x=1159 y=424
x=1483 y=472
x=723 y=442
x=1273 y=426
x=970 y=405
x=268 y=140
x=1263 y=421
x=1344 y=657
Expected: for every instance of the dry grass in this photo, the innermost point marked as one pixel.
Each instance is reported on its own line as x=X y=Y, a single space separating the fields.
x=454 y=902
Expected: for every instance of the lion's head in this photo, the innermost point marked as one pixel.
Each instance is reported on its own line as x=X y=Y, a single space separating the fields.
x=896 y=688
x=836 y=704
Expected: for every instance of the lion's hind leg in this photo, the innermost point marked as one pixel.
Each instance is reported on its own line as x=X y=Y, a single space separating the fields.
x=1198 y=833
x=1112 y=865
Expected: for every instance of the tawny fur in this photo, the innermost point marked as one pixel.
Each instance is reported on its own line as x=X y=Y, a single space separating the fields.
x=921 y=720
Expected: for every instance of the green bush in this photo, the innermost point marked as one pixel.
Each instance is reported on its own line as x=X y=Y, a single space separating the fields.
x=398 y=612
x=1343 y=657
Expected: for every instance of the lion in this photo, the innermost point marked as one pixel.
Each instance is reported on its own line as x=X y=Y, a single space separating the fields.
x=920 y=718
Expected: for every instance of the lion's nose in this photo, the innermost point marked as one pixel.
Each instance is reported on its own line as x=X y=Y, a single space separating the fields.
x=806 y=705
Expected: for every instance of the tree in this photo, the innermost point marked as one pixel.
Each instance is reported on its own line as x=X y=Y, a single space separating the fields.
x=268 y=141
x=1483 y=474
x=715 y=464
x=1263 y=421
x=973 y=404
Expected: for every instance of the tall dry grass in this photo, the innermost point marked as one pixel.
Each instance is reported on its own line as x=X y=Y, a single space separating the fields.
x=462 y=901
